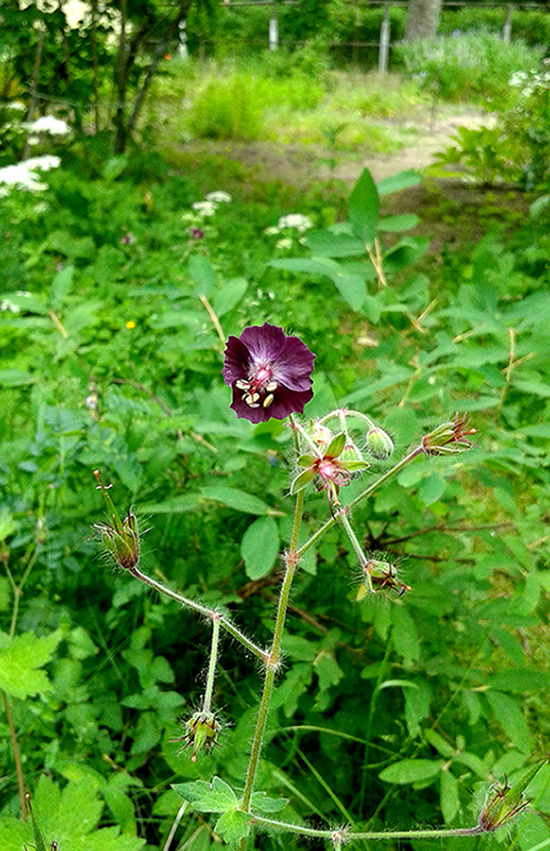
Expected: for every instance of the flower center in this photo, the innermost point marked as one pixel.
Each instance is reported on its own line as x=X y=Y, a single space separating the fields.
x=259 y=388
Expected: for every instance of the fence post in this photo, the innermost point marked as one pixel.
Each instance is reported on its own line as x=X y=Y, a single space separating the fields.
x=273 y=34
x=507 y=29
x=384 y=41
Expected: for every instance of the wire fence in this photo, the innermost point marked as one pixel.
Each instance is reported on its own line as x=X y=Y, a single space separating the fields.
x=503 y=20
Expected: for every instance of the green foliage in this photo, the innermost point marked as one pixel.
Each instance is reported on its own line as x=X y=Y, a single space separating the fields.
x=110 y=359
x=472 y=67
x=228 y=110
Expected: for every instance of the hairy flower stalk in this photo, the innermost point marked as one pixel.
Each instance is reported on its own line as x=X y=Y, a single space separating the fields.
x=203 y=728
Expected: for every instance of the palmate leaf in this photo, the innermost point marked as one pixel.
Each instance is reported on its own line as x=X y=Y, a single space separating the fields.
x=214 y=797
x=68 y=817
x=21 y=659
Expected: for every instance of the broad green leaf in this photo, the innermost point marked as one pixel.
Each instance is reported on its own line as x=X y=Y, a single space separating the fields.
x=114 y=167
x=202 y=273
x=396 y=182
x=351 y=287
x=408 y=251
x=172 y=505
x=363 y=208
x=229 y=296
x=21 y=660
x=411 y=771
x=17 y=378
x=326 y=243
x=432 y=488
x=439 y=743
x=511 y=718
x=404 y=636
x=395 y=224
x=472 y=762
x=233 y=826
x=260 y=547
x=448 y=796
x=265 y=804
x=7 y=524
x=237 y=499
x=314 y=265
x=60 y=286
x=214 y=797
x=519 y=680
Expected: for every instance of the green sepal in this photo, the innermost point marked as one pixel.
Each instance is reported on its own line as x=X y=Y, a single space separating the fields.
x=353 y=466
x=307 y=460
x=336 y=446
x=302 y=480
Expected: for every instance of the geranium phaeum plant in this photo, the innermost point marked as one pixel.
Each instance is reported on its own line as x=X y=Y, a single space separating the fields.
x=270 y=376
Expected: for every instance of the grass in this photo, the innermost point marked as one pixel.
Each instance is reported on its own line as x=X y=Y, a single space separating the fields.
x=251 y=104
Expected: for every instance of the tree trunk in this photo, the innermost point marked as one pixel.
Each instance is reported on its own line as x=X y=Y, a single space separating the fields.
x=422 y=19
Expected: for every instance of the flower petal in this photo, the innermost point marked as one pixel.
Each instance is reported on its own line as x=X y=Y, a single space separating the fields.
x=237 y=361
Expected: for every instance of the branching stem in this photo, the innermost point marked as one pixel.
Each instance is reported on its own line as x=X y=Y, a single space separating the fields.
x=202 y=610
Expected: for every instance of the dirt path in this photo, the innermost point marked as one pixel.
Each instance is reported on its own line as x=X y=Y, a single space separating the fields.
x=433 y=137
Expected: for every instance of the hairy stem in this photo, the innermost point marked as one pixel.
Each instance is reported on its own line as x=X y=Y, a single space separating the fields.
x=304 y=830
x=207 y=702
x=16 y=756
x=274 y=657
x=202 y=610
x=384 y=478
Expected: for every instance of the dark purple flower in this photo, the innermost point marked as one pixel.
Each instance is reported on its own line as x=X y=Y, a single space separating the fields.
x=196 y=233
x=270 y=373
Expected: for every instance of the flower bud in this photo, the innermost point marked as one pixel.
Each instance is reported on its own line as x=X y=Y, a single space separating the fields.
x=380 y=575
x=120 y=537
x=449 y=437
x=320 y=435
x=201 y=731
x=123 y=543
x=379 y=444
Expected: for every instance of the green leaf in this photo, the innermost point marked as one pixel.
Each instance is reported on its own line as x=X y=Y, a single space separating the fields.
x=396 y=182
x=326 y=243
x=260 y=547
x=411 y=771
x=265 y=804
x=439 y=743
x=229 y=296
x=511 y=718
x=114 y=167
x=60 y=286
x=21 y=660
x=363 y=208
x=448 y=796
x=351 y=287
x=214 y=797
x=237 y=499
x=16 y=378
x=202 y=273
x=405 y=640
x=172 y=505
x=395 y=224
x=233 y=826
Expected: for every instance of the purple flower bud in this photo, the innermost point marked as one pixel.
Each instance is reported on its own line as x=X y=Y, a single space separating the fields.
x=197 y=233
x=269 y=373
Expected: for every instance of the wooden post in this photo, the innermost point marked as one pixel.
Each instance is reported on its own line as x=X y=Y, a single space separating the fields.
x=507 y=29
x=273 y=34
x=384 y=42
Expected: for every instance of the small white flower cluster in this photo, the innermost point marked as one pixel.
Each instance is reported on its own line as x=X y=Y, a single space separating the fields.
x=209 y=206
x=23 y=175
x=48 y=124
x=6 y=304
x=295 y=220
x=530 y=81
